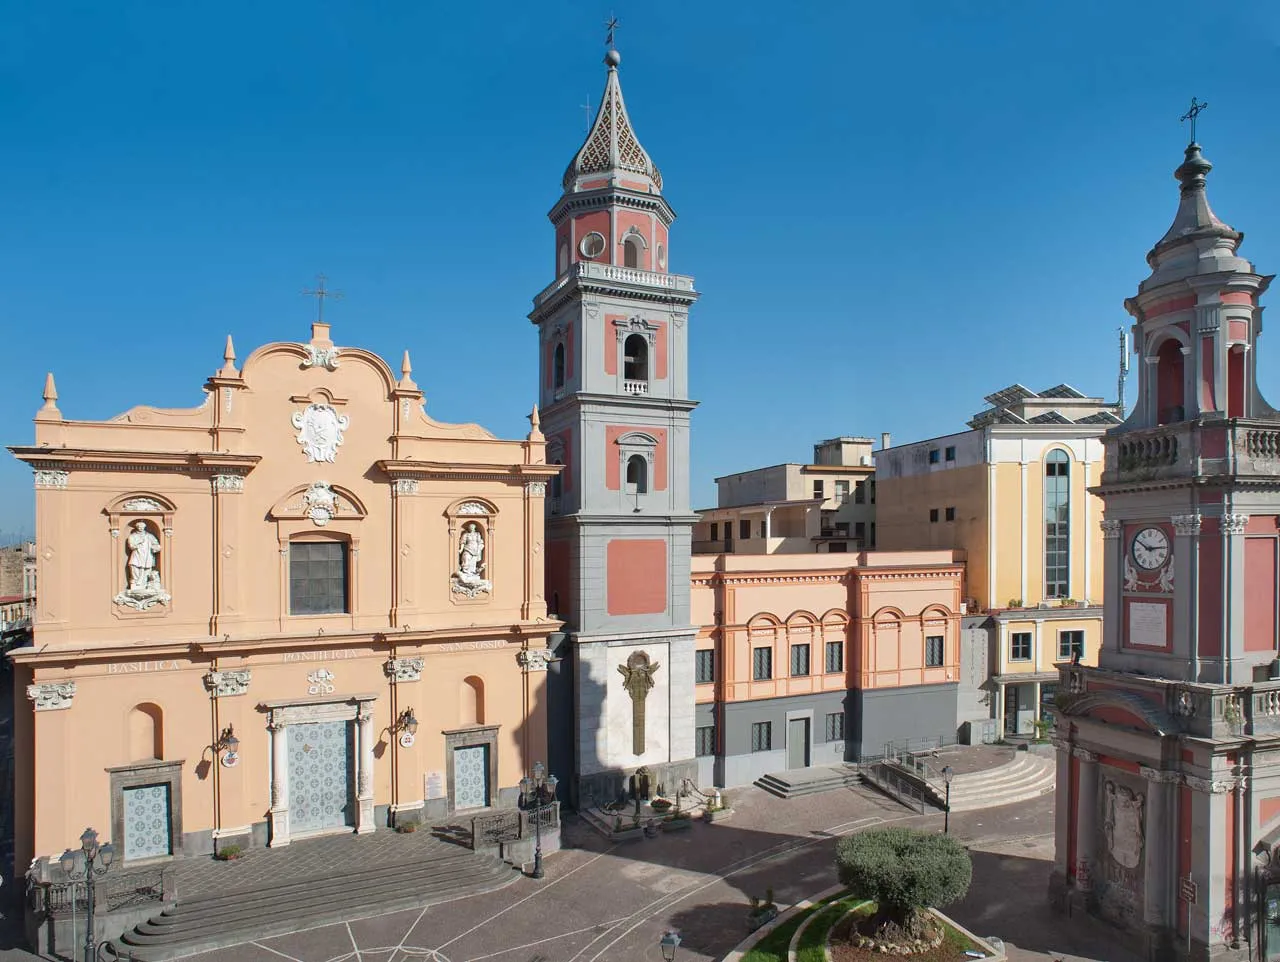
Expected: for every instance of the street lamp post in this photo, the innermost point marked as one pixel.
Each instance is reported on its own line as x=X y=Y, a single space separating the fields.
x=89 y=864
x=947 y=775
x=669 y=943
x=537 y=793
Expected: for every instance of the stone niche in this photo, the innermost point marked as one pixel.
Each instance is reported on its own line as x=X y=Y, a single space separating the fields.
x=1120 y=847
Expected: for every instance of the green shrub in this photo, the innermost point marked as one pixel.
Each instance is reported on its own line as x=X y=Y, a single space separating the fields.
x=904 y=871
x=228 y=853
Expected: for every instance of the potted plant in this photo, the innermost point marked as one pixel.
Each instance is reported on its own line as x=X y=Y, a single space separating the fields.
x=661 y=805
x=761 y=912
x=677 y=822
x=228 y=853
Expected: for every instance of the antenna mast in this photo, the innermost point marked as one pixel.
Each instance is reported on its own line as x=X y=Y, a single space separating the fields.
x=1124 y=367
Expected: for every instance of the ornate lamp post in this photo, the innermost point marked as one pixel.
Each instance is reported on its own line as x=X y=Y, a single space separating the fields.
x=947 y=775
x=537 y=793
x=89 y=864
x=669 y=943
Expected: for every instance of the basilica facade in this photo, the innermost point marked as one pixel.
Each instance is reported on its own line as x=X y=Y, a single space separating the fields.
x=302 y=607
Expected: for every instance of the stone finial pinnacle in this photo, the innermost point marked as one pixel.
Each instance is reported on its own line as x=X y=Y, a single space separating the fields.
x=534 y=418
x=535 y=425
x=229 y=360
x=229 y=352
x=49 y=410
x=405 y=367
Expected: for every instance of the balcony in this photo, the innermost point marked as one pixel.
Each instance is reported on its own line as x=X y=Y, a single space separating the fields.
x=630 y=276
x=1205 y=448
x=635 y=387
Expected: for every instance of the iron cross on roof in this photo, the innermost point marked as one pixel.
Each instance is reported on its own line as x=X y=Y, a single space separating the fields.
x=1191 y=115
x=611 y=25
x=320 y=293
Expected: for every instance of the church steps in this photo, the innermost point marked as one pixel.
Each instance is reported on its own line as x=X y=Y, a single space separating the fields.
x=216 y=921
x=1026 y=778
x=809 y=781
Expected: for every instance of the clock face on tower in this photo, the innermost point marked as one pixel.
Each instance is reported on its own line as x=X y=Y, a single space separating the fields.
x=1150 y=548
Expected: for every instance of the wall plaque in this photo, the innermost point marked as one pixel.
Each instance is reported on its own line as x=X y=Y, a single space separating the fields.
x=1148 y=624
x=435 y=785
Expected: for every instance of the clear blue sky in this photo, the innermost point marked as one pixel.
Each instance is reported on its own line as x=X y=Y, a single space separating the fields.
x=891 y=209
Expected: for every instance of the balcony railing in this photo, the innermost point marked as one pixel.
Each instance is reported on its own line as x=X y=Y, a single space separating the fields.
x=635 y=387
x=1204 y=448
x=622 y=275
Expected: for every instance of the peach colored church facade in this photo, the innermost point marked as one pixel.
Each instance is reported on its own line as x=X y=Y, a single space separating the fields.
x=302 y=562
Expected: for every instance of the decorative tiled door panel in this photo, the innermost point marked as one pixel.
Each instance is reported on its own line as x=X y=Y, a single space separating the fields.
x=320 y=765
x=147 y=822
x=471 y=776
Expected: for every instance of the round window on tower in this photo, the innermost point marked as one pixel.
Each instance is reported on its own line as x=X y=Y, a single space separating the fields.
x=592 y=245
x=661 y=257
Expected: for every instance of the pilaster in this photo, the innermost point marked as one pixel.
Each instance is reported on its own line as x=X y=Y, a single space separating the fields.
x=364 y=769
x=228 y=497
x=1233 y=528
x=1161 y=842
x=1112 y=567
x=1186 y=578
x=1086 y=817
x=403 y=567
x=279 y=814
x=1062 y=814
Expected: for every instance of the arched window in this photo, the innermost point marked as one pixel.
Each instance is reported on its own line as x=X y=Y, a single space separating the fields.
x=631 y=251
x=635 y=351
x=557 y=366
x=472 y=708
x=146 y=732
x=1169 y=373
x=637 y=474
x=562 y=261
x=1057 y=523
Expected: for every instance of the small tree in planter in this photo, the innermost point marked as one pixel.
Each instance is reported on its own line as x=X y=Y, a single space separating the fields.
x=761 y=912
x=905 y=872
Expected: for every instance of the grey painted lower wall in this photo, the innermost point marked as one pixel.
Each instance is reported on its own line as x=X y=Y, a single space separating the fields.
x=789 y=719
x=973 y=700
x=901 y=714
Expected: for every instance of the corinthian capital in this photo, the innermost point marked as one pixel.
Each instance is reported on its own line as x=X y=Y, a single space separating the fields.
x=1234 y=523
x=1110 y=529
x=1186 y=524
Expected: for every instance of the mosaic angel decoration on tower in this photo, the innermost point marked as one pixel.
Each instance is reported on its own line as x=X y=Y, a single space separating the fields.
x=638 y=680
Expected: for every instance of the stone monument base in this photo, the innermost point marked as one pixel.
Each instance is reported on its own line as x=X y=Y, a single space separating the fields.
x=607 y=786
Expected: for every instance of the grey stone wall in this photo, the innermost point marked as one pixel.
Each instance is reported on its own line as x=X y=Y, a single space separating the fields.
x=901 y=714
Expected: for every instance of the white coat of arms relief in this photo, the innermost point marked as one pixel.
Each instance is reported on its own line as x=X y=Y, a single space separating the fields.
x=320 y=431
x=1124 y=825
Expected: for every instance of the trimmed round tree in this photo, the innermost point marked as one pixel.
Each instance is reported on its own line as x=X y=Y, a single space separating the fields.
x=904 y=871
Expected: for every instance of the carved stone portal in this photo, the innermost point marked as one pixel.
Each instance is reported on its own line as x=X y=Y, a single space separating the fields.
x=637 y=676
x=143 y=589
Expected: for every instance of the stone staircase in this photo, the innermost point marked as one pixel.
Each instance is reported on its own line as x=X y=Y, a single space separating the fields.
x=1027 y=777
x=809 y=781
x=234 y=917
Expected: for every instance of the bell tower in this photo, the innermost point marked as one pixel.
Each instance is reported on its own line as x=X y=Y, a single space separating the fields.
x=613 y=381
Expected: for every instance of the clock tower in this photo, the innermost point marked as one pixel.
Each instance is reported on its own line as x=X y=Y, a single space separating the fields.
x=613 y=381
x=1168 y=805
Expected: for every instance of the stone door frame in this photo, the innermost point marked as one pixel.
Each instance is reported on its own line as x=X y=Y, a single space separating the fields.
x=300 y=711
x=469 y=737
x=154 y=772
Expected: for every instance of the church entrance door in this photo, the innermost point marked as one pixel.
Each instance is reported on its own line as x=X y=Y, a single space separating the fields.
x=798 y=743
x=320 y=769
x=147 y=822
x=471 y=777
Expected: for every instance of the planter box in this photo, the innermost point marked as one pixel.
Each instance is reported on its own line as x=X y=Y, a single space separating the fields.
x=627 y=835
x=717 y=816
x=763 y=917
x=677 y=824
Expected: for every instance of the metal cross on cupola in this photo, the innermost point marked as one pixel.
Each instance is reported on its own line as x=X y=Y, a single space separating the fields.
x=1191 y=115
x=611 y=25
x=320 y=293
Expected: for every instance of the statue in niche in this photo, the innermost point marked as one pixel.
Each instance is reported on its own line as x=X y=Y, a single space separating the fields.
x=143 y=589
x=469 y=579
x=1124 y=824
x=637 y=676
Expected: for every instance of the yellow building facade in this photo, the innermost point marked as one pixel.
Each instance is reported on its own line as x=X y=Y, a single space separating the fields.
x=1012 y=493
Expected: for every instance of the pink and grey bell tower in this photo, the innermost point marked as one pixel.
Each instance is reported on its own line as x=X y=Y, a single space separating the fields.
x=613 y=382
x=1168 y=804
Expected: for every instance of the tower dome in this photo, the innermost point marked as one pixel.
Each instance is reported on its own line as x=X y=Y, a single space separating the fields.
x=611 y=150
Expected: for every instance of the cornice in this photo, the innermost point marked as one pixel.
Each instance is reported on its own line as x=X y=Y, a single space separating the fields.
x=448 y=471
x=72 y=459
x=611 y=196
x=592 y=403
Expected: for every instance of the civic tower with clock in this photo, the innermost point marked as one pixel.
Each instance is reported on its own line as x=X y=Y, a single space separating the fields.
x=1168 y=781
x=613 y=382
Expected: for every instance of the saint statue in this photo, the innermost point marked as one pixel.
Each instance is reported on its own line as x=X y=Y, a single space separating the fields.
x=143 y=548
x=469 y=578
x=637 y=676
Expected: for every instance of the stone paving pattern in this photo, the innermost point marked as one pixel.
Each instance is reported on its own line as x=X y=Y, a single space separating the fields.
x=601 y=902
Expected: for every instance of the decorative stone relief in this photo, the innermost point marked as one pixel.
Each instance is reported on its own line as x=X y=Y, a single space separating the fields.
x=1186 y=524
x=1110 y=529
x=320 y=431
x=1131 y=582
x=536 y=489
x=534 y=659
x=52 y=695
x=228 y=482
x=142 y=504
x=1060 y=744
x=1209 y=786
x=404 y=669
x=325 y=357
x=320 y=682
x=1185 y=703
x=51 y=479
x=320 y=503
x=1084 y=754
x=473 y=507
x=1124 y=824
x=406 y=486
x=469 y=579
x=224 y=684
x=1234 y=523
x=1158 y=776
x=637 y=676
x=1165 y=582
x=143 y=589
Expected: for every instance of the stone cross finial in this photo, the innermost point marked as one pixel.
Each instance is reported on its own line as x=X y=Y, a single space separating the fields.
x=320 y=293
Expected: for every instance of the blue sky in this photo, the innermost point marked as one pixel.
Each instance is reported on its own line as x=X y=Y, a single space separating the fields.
x=891 y=210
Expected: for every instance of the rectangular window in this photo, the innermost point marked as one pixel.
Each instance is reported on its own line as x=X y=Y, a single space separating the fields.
x=835 y=727
x=799 y=660
x=933 y=515
x=934 y=455
x=715 y=531
x=317 y=578
x=951 y=514
x=1020 y=646
x=860 y=492
x=704 y=666
x=744 y=530
x=762 y=529
x=951 y=453
x=762 y=664
x=835 y=656
x=761 y=736
x=860 y=530
x=933 y=651
x=817 y=489
x=1057 y=525
x=871 y=486
x=705 y=740
x=838 y=547
x=842 y=492
x=873 y=534
x=1070 y=644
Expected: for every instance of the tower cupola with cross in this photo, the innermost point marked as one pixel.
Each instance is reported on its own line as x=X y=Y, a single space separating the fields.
x=613 y=382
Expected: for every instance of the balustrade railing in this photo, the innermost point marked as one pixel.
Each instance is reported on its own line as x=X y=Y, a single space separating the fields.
x=623 y=275
x=635 y=387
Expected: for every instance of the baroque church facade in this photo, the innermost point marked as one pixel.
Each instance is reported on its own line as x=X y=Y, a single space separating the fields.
x=1168 y=781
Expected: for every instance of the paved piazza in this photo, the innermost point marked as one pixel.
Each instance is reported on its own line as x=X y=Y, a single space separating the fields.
x=602 y=903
